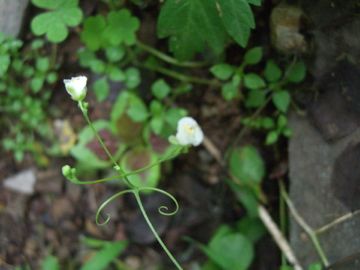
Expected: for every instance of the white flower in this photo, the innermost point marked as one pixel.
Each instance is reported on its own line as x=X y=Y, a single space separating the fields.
x=189 y=132
x=76 y=87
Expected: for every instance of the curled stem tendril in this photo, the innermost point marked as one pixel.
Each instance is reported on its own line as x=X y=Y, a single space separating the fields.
x=105 y=203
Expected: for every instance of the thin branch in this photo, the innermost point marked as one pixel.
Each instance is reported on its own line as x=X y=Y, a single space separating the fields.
x=336 y=222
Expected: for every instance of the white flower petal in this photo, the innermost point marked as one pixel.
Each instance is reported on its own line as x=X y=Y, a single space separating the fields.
x=76 y=87
x=189 y=132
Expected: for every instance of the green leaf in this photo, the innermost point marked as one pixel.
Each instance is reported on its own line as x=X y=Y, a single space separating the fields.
x=297 y=72
x=157 y=123
x=53 y=23
x=91 y=34
x=97 y=66
x=237 y=18
x=105 y=256
x=246 y=197
x=272 y=71
x=173 y=115
x=286 y=267
x=51 y=77
x=252 y=227
x=137 y=109
x=160 y=89
x=50 y=263
x=253 y=56
x=253 y=81
x=231 y=251
x=229 y=91
x=132 y=77
x=4 y=64
x=101 y=89
x=255 y=99
x=315 y=266
x=282 y=121
x=271 y=137
x=247 y=165
x=116 y=74
x=222 y=71
x=191 y=24
x=114 y=54
x=36 y=84
x=121 y=28
x=255 y=2
x=281 y=100
x=42 y=64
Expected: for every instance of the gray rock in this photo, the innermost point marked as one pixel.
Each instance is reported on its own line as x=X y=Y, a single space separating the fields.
x=11 y=16
x=23 y=182
x=314 y=191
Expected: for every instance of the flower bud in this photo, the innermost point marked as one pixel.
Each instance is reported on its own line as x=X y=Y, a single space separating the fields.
x=76 y=87
x=189 y=132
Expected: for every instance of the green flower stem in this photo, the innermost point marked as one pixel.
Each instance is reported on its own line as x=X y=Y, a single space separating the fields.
x=167 y=58
x=83 y=107
x=122 y=175
x=282 y=212
x=310 y=232
x=179 y=76
x=172 y=258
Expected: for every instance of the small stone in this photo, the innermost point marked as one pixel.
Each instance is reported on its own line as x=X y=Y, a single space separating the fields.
x=22 y=182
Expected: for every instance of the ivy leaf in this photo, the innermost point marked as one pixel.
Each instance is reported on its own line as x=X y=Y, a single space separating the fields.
x=90 y=35
x=281 y=100
x=237 y=18
x=222 y=71
x=253 y=81
x=121 y=28
x=191 y=24
x=54 y=23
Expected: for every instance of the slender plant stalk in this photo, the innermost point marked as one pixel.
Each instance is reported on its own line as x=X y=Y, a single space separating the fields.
x=172 y=258
x=168 y=59
x=132 y=189
x=302 y=223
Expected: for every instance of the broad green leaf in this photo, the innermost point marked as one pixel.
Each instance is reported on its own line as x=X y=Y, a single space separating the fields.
x=101 y=89
x=42 y=64
x=247 y=165
x=222 y=71
x=282 y=121
x=281 y=100
x=237 y=18
x=121 y=28
x=253 y=56
x=116 y=74
x=271 y=137
x=36 y=84
x=160 y=89
x=229 y=91
x=267 y=123
x=297 y=72
x=157 y=123
x=54 y=23
x=272 y=71
x=255 y=99
x=91 y=35
x=4 y=64
x=315 y=266
x=191 y=25
x=50 y=263
x=231 y=251
x=105 y=256
x=138 y=158
x=255 y=2
x=114 y=54
x=132 y=77
x=97 y=66
x=136 y=109
x=252 y=227
x=173 y=115
x=253 y=81
x=246 y=197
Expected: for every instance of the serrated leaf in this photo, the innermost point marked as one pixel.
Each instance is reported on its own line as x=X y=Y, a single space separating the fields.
x=121 y=28
x=160 y=89
x=222 y=71
x=247 y=165
x=281 y=100
x=253 y=81
x=191 y=24
x=253 y=56
x=237 y=18
x=101 y=89
x=272 y=71
x=297 y=72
